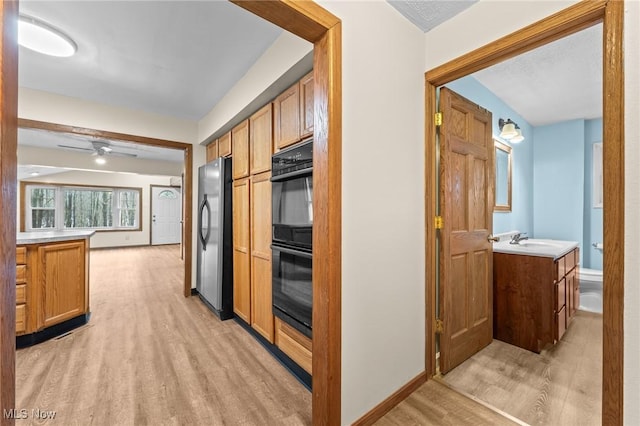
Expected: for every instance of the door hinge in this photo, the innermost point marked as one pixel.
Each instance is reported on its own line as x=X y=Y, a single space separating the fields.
x=439 y=223
x=439 y=326
x=438 y=119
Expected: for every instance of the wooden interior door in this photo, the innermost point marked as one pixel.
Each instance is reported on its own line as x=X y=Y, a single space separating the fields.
x=466 y=207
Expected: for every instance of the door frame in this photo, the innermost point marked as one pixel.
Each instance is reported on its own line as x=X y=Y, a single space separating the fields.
x=566 y=22
x=315 y=24
x=161 y=143
x=151 y=210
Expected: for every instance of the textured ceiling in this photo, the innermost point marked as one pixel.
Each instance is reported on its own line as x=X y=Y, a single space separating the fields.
x=427 y=14
x=557 y=82
x=175 y=58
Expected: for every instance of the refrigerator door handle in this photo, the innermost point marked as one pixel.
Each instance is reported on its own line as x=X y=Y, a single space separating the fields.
x=204 y=238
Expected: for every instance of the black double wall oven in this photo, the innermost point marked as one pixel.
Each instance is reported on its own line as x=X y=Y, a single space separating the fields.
x=292 y=204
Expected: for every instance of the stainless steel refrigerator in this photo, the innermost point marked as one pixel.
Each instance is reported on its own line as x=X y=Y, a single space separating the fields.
x=214 y=283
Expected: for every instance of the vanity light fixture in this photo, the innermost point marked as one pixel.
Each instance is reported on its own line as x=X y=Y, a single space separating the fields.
x=510 y=130
x=41 y=37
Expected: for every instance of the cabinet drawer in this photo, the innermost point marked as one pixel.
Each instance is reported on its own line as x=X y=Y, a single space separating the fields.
x=571 y=260
x=21 y=255
x=560 y=268
x=294 y=344
x=21 y=293
x=561 y=291
x=21 y=274
x=21 y=318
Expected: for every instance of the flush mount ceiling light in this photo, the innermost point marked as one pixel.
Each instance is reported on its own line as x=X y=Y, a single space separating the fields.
x=42 y=37
x=510 y=130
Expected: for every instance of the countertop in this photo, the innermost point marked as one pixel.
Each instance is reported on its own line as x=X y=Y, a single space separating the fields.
x=536 y=247
x=37 y=237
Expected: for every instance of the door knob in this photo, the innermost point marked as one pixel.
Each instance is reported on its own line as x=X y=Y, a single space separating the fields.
x=493 y=239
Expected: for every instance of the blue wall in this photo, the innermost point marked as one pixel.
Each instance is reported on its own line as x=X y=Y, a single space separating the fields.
x=593 y=223
x=558 y=181
x=552 y=176
x=521 y=216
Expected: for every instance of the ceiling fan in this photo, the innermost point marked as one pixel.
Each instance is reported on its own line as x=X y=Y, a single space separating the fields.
x=100 y=148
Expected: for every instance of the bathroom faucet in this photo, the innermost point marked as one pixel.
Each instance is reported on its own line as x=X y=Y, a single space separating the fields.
x=516 y=238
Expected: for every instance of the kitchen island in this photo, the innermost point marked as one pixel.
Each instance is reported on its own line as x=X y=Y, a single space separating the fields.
x=52 y=284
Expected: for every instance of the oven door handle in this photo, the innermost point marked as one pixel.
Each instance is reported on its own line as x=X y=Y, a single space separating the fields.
x=290 y=175
x=292 y=251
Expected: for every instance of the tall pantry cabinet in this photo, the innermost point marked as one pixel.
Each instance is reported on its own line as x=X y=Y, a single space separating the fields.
x=252 y=146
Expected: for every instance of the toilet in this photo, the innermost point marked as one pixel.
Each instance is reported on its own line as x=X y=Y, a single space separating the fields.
x=590 y=290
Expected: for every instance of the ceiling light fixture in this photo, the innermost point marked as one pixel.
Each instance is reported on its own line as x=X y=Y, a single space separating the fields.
x=101 y=160
x=510 y=130
x=35 y=173
x=42 y=37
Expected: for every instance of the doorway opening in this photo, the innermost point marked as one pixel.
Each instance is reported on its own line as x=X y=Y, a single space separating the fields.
x=187 y=190
x=564 y=23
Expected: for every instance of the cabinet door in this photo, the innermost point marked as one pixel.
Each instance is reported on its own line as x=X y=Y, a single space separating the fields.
x=261 y=298
x=573 y=296
x=306 y=105
x=241 y=253
x=224 y=145
x=286 y=113
x=240 y=144
x=212 y=151
x=62 y=271
x=261 y=140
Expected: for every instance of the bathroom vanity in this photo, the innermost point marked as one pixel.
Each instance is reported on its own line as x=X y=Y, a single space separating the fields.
x=535 y=291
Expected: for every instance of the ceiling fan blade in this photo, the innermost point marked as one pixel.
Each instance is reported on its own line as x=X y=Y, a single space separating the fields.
x=122 y=154
x=75 y=147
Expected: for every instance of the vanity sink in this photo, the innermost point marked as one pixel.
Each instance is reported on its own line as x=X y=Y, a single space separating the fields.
x=536 y=247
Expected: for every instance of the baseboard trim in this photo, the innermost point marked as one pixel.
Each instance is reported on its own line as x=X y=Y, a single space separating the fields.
x=377 y=412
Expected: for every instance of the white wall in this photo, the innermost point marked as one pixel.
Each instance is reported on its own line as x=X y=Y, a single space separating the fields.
x=632 y=220
x=383 y=251
x=476 y=27
x=119 y=238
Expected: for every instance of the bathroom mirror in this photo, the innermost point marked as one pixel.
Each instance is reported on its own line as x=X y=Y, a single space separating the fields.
x=503 y=177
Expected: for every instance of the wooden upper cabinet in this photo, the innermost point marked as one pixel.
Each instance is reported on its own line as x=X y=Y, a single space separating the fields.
x=286 y=113
x=212 y=150
x=240 y=148
x=261 y=140
x=306 y=105
x=224 y=145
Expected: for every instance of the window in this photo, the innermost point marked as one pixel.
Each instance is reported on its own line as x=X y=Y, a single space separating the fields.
x=57 y=207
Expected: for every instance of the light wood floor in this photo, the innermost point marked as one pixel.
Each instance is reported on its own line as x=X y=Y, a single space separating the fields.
x=149 y=356
x=436 y=404
x=561 y=385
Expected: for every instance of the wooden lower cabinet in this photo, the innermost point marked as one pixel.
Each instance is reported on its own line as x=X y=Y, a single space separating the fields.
x=62 y=274
x=252 y=299
x=534 y=298
x=52 y=285
x=261 y=297
x=241 y=250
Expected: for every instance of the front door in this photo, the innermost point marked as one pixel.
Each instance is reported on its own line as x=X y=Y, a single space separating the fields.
x=166 y=207
x=466 y=207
